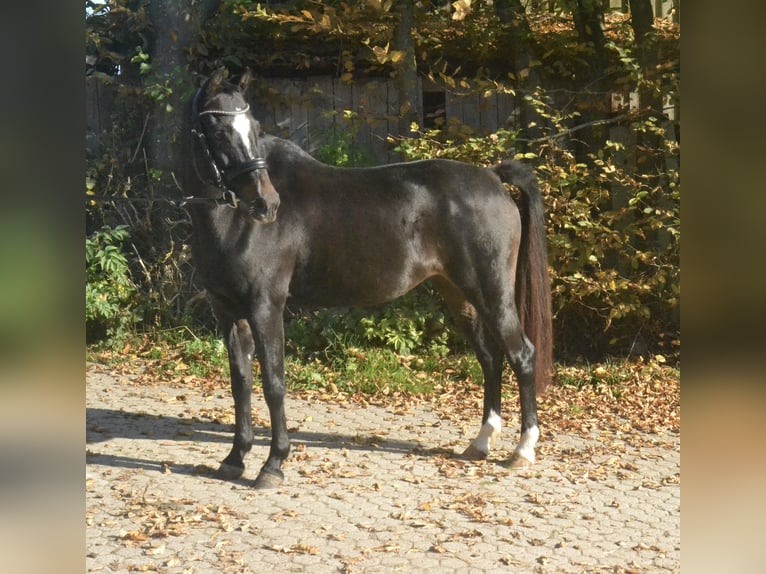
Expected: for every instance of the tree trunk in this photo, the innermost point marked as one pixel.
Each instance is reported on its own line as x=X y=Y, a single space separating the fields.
x=406 y=74
x=176 y=25
x=521 y=46
x=641 y=18
x=650 y=160
x=594 y=101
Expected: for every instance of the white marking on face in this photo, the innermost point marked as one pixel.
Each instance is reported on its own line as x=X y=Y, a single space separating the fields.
x=241 y=125
x=526 y=448
x=489 y=430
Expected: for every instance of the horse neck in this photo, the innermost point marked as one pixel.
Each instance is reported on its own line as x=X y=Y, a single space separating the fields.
x=213 y=223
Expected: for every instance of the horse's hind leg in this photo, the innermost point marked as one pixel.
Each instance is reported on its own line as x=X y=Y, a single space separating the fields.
x=501 y=324
x=490 y=357
x=523 y=363
x=521 y=355
x=239 y=341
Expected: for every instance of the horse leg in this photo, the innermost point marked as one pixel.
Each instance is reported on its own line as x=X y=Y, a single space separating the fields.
x=521 y=355
x=523 y=364
x=240 y=345
x=270 y=346
x=502 y=324
x=490 y=357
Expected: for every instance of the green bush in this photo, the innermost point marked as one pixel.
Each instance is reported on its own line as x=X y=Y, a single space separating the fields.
x=339 y=150
x=415 y=323
x=109 y=289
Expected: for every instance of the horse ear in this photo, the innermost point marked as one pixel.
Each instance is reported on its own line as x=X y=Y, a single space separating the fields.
x=244 y=81
x=215 y=81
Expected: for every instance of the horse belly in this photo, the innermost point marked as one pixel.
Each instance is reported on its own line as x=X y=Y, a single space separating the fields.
x=358 y=280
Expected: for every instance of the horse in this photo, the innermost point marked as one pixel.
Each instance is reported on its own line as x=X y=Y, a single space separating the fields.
x=271 y=225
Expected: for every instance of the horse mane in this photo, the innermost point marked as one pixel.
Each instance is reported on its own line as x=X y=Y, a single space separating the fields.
x=286 y=148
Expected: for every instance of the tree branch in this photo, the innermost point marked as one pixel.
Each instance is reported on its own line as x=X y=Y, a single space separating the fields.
x=602 y=122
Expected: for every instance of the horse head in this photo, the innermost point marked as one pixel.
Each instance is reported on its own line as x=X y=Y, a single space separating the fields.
x=228 y=135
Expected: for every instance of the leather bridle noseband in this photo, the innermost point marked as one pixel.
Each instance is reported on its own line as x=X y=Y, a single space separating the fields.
x=223 y=178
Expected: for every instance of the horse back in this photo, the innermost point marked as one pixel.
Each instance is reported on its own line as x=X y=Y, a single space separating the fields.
x=366 y=236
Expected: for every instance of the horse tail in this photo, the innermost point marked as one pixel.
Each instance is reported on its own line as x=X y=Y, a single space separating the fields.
x=533 y=291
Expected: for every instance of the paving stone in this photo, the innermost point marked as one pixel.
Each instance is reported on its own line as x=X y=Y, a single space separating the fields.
x=357 y=505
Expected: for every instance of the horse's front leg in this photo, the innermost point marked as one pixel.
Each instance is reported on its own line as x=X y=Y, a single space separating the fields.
x=268 y=326
x=239 y=341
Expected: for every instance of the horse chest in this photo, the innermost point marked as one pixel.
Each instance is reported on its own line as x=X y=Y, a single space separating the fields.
x=226 y=273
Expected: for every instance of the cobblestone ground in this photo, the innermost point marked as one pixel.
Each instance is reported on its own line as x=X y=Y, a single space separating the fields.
x=368 y=489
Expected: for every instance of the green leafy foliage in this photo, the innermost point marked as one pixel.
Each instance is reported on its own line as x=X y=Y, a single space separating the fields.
x=415 y=323
x=109 y=289
x=339 y=150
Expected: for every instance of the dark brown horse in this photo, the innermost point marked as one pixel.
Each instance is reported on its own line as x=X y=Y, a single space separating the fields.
x=281 y=226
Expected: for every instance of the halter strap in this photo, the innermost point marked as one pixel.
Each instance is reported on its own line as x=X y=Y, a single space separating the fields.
x=223 y=178
x=231 y=174
x=225 y=112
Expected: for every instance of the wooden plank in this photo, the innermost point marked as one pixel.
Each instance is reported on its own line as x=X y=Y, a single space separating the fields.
x=506 y=117
x=298 y=121
x=454 y=105
x=319 y=102
x=623 y=159
x=361 y=93
x=392 y=119
x=92 y=119
x=282 y=106
x=265 y=101
x=470 y=105
x=487 y=112
x=378 y=120
x=342 y=102
x=91 y=106
x=671 y=164
x=342 y=105
x=307 y=111
x=99 y=106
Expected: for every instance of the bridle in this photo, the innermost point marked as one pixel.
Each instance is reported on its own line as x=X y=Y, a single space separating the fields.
x=223 y=178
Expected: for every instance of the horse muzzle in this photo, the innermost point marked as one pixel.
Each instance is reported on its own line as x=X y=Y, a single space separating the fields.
x=255 y=190
x=265 y=203
x=262 y=211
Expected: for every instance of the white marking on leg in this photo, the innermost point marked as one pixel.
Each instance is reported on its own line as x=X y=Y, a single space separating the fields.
x=526 y=448
x=489 y=430
x=242 y=126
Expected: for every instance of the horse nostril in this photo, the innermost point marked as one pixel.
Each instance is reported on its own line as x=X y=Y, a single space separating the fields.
x=271 y=212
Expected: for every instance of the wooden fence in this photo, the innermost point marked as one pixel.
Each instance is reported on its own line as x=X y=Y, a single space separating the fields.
x=313 y=111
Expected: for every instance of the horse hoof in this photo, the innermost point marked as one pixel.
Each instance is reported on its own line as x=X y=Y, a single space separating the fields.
x=267 y=480
x=518 y=462
x=230 y=472
x=473 y=453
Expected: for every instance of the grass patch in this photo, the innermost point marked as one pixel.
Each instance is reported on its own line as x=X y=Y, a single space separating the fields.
x=374 y=371
x=615 y=375
x=352 y=369
x=167 y=353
